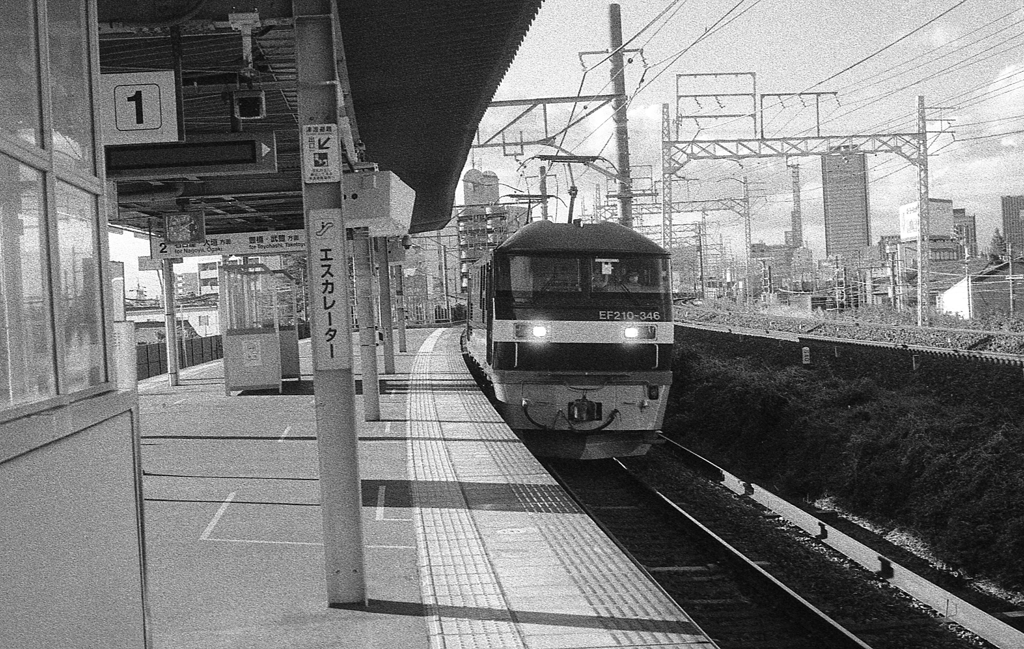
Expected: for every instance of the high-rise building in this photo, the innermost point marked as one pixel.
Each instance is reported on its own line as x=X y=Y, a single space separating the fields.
x=483 y=223
x=845 y=191
x=795 y=236
x=1013 y=222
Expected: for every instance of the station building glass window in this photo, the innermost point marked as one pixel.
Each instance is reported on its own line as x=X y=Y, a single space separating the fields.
x=27 y=371
x=81 y=312
x=67 y=27
x=52 y=330
x=20 y=105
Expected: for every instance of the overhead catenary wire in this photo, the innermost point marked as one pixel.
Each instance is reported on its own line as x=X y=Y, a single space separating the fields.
x=886 y=47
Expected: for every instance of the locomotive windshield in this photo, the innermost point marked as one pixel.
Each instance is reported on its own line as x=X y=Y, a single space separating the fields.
x=637 y=275
x=533 y=279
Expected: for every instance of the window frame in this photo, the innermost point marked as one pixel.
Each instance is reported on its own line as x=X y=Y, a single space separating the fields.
x=42 y=158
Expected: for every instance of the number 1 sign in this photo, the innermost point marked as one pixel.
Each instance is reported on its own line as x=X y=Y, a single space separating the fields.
x=139 y=107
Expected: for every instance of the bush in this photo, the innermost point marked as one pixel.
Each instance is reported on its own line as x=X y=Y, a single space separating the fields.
x=948 y=469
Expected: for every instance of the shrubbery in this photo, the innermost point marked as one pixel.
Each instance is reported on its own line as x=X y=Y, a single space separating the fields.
x=951 y=470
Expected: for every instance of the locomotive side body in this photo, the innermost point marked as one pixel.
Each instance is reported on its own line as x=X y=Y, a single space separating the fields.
x=572 y=326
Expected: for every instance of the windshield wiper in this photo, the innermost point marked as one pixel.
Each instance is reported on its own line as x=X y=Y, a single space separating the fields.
x=628 y=292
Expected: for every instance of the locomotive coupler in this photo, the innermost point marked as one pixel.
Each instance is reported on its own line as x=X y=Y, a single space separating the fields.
x=583 y=409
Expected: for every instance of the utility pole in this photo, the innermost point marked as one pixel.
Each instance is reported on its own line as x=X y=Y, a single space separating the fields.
x=700 y=252
x=923 y=216
x=746 y=239
x=1009 y=255
x=619 y=117
x=667 y=174
x=544 y=191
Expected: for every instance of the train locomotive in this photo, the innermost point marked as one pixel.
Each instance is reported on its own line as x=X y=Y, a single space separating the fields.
x=571 y=325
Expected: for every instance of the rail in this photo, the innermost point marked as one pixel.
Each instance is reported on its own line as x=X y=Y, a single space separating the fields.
x=953 y=608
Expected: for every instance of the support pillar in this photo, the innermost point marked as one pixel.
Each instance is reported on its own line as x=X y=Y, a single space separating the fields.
x=367 y=328
x=170 y=323
x=386 y=319
x=320 y=101
x=400 y=304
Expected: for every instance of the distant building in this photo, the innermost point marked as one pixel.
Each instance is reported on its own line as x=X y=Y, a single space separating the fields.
x=776 y=262
x=192 y=321
x=803 y=266
x=482 y=223
x=480 y=187
x=186 y=284
x=845 y=192
x=965 y=230
x=1013 y=222
x=208 y=278
x=982 y=292
x=940 y=219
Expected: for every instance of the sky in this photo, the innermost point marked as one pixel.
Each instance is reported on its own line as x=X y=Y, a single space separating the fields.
x=965 y=57
x=127 y=247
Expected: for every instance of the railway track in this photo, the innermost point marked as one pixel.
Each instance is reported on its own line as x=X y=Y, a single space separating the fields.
x=733 y=599
x=860 y=599
x=875 y=557
x=724 y=559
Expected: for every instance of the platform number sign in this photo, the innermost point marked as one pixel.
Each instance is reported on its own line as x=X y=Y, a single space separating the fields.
x=139 y=108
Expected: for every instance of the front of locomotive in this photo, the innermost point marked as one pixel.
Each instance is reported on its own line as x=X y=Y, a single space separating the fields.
x=582 y=338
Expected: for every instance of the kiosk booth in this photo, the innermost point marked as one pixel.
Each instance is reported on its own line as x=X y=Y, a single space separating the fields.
x=259 y=325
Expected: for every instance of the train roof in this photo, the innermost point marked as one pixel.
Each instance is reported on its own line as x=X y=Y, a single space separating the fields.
x=606 y=237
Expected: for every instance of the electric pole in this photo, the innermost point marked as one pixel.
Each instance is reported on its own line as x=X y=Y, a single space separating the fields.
x=619 y=117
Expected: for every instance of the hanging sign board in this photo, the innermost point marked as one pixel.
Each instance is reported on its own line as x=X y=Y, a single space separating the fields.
x=221 y=154
x=321 y=153
x=273 y=242
x=330 y=317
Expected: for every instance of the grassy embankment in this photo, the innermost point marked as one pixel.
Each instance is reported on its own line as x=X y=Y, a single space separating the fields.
x=949 y=470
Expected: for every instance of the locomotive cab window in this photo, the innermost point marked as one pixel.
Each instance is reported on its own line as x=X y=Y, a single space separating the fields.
x=532 y=278
x=635 y=275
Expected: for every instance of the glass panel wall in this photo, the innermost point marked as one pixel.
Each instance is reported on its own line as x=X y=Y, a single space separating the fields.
x=20 y=113
x=26 y=337
x=52 y=330
x=69 y=82
x=81 y=313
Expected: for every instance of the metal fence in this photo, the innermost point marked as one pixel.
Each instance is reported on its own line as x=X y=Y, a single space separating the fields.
x=151 y=359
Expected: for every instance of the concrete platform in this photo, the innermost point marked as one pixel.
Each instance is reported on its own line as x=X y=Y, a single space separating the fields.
x=469 y=542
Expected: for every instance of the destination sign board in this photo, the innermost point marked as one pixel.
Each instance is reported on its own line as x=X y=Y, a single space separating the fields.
x=236 y=243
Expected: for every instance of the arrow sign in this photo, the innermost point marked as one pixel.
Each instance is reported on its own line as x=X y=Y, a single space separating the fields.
x=321 y=158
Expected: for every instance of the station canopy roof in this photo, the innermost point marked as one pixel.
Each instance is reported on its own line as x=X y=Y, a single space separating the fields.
x=419 y=77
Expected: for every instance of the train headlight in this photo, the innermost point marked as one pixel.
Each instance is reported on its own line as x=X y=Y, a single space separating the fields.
x=531 y=331
x=640 y=332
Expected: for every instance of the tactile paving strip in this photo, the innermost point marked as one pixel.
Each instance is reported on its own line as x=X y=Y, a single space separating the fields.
x=464 y=603
x=513 y=564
